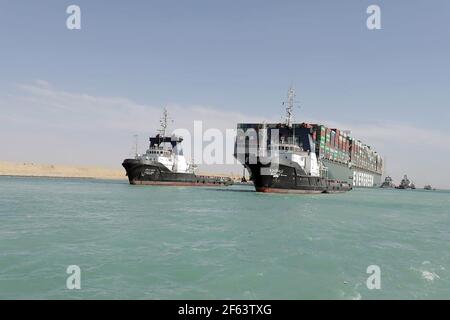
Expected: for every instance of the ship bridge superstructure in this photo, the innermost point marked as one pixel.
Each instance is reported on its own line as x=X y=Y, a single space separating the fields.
x=165 y=151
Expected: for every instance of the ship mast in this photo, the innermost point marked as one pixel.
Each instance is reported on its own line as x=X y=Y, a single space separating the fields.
x=164 y=122
x=290 y=106
x=136 y=137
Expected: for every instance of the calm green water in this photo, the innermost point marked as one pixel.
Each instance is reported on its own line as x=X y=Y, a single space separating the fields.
x=142 y=242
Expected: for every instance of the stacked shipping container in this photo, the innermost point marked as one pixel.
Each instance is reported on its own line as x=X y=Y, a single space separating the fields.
x=335 y=145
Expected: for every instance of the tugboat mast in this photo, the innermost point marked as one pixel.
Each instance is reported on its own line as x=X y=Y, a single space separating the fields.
x=290 y=106
x=164 y=122
x=136 y=137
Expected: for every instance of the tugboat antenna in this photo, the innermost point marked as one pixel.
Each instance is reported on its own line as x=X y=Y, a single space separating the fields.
x=290 y=106
x=136 y=137
x=164 y=122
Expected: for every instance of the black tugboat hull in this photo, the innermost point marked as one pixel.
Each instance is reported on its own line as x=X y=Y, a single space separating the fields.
x=287 y=180
x=148 y=174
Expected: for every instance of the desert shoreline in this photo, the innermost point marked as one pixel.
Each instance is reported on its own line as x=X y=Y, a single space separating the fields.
x=34 y=170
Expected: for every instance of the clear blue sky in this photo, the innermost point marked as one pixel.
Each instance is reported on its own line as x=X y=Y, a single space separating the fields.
x=241 y=55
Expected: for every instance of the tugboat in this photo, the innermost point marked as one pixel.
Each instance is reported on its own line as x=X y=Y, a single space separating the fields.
x=406 y=184
x=388 y=183
x=284 y=165
x=164 y=164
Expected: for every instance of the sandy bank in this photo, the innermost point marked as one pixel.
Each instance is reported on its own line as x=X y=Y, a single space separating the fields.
x=29 y=169
x=62 y=171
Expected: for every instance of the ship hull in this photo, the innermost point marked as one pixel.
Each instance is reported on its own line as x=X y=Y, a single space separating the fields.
x=357 y=177
x=287 y=180
x=156 y=174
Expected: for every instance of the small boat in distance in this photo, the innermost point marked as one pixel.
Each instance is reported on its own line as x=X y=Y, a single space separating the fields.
x=429 y=187
x=388 y=183
x=164 y=164
x=406 y=184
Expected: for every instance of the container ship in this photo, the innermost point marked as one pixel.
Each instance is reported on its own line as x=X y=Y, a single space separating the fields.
x=164 y=164
x=311 y=158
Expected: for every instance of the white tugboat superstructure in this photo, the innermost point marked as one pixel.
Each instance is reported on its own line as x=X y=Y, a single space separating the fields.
x=164 y=163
